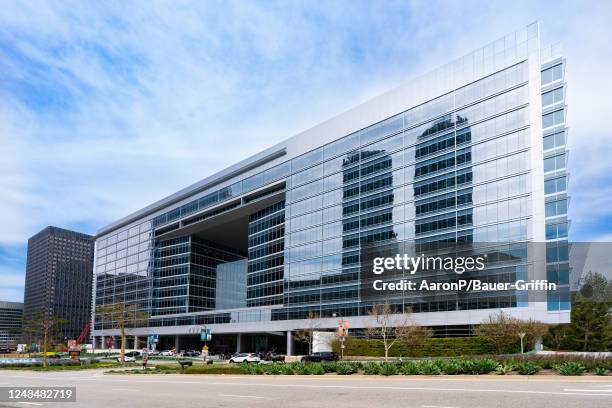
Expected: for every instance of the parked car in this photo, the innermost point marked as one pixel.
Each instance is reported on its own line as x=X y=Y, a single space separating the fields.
x=245 y=358
x=167 y=353
x=321 y=356
x=132 y=354
x=153 y=353
x=127 y=359
x=191 y=353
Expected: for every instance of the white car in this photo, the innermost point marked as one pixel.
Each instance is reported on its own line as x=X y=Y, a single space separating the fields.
x=245 y=358
x=127 y=359
x=166 y=353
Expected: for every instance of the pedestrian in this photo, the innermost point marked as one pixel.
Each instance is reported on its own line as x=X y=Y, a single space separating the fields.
x=145 y=358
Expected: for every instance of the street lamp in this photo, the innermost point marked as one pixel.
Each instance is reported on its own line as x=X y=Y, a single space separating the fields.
x=341 y=333
x=522 y=335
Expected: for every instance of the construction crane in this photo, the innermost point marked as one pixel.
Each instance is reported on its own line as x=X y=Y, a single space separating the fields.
x=84 y=333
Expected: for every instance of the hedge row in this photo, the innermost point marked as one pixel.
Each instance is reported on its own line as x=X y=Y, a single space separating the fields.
x=434 y=347
x=423 y=367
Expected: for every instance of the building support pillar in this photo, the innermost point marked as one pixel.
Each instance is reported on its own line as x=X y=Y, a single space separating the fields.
x=289 y=343
x=239 y=343
x=177 y=343
x=136 y=341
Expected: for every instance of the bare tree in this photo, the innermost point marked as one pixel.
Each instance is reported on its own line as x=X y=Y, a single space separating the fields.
x=307 y=334
x=43 y=326
x=503 y=331
x=392 y=327
x=121 y=316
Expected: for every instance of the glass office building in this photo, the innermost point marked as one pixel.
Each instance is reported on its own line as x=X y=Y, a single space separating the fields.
x=472 y=152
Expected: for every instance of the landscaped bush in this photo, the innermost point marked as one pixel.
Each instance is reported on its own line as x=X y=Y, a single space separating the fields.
x=371 y=368
x=552 y=361
x=346 y=368
x=255 y=369
x=450 y=367
x=329 y=367
x=479 y=366
x=601 y=371
x=409 y=368
x=571 y=368
x=527 y=368
x=428 y=367
x=505 y=368
x=433 y=347
x=314 y=369
x=388 y=369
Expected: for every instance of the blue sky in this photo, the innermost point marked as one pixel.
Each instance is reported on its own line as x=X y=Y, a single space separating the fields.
x=107 y=107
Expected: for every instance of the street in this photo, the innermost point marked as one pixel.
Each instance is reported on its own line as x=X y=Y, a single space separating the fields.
x=98 y=390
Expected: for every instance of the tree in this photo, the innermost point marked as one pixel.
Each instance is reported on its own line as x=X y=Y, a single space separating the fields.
x=557 y=338
x=120 y=316
x=393 y=327
x=307 y=334
x=43 y=326
x=591 y=321
x=503 y=331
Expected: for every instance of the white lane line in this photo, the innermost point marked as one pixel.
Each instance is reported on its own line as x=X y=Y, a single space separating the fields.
x=585 y=390
x=435 y=406
x=355 y=387
x=239 y=396
x=28 y=403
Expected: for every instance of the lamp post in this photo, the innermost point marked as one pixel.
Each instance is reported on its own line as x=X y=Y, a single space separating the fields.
x=522 y=335
x=341 y=333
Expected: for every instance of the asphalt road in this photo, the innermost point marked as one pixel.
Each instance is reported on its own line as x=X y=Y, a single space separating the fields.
x=97 y=390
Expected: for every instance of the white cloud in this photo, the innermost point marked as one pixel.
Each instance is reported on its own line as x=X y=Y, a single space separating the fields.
x=120 y=104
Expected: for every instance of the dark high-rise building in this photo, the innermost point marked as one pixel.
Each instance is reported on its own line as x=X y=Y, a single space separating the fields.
x=11 y=314
x=59 y=274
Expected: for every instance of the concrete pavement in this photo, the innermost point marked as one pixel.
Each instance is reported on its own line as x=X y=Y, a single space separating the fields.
x=98 y=390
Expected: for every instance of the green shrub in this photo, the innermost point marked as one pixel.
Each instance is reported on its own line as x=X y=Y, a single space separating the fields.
x=388 y=369
x=217 y=369
x=254 y=369
x=346 y=368
x=329 y=367
x=527 y=368
x=371 y=368
x=505 y=368
x=450 y=367
x=601 y=371
x=433 y=347
x=314 y=369
x=571 y=368
x=409 y=368
x=479 y=366
x=428 y=367
x=299 y=368
x=274 y=369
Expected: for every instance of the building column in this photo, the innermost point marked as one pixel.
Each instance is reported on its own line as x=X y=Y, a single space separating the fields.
x=239 y=343
x=177 y=344
x=136 y=345
x=289 y=343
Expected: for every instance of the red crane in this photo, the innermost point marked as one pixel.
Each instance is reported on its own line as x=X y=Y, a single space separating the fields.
x=84 y=333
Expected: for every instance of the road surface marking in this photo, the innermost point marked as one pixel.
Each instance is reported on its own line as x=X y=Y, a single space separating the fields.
x=29 y=403
x=585 y=390
x=239 y=396
x=435 y=406
x=355 y=387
